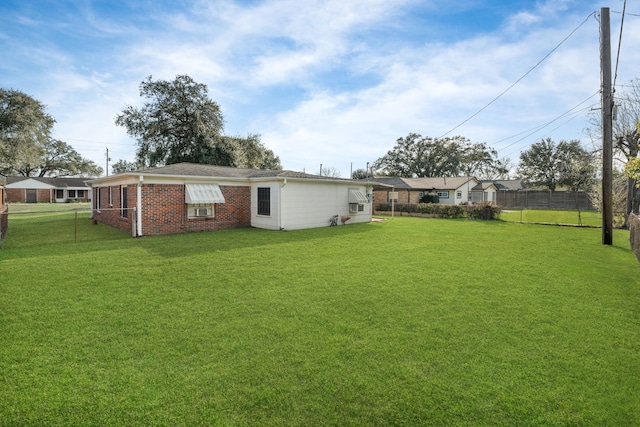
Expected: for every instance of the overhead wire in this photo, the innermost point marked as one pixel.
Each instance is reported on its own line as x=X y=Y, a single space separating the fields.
x=521 y=78
x=536 y=129
x=615 y=75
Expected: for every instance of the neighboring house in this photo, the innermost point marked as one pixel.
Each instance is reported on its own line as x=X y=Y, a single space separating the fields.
x=187 y=197
x=450 y=190
x=22 y=189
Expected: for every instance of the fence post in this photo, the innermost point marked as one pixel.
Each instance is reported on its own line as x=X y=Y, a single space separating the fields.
x=75 y=227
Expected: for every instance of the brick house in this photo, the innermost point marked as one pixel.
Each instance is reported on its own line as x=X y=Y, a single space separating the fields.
x=187 y=197
x=21 y=189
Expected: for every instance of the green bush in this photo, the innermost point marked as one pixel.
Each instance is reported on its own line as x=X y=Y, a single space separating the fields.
x=484 y=211
x=430 y=198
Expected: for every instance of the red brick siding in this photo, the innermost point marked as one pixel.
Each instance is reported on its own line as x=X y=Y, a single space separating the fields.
x=404 y=196
x=19 y=195
x=16 y=195
x=111 y=214
x=164 y=210
x=45 y=195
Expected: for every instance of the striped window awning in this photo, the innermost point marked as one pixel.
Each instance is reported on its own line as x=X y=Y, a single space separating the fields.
x=357 y=196
x=203 y=193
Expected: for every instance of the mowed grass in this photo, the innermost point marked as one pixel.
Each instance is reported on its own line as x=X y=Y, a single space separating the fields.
x=48 y=207
x=410 y=321
x=552 y=216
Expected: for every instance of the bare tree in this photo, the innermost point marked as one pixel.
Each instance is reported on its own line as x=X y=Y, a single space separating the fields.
x=625 y=135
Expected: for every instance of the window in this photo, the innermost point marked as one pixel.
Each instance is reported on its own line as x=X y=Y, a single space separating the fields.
x=80 y=194
x=200 y=210
x=124 y=203
x=97 y=198
x=264 y=201
x=59 y=194
x=110 y=197
x=356 y=207
x=443 y=194
x=72 y=194
x=357 y=199
x=459 y=195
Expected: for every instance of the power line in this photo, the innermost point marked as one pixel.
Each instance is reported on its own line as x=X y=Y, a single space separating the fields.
x=539 y=128
x=523 y=76
x=615 y=75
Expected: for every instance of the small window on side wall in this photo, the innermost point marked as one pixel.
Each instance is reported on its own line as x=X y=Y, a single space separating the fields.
x=200 y=210
x=124 y=204
x=264 y=201
x=356 y=207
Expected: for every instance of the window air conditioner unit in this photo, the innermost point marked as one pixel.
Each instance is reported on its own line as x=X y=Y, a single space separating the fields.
x=202 y=212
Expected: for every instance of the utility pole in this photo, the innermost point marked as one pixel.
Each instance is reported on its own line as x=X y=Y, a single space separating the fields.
x=607 y=125
x=108 y=162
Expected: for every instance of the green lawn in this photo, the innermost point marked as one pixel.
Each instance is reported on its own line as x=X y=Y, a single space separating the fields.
x=410 y=321
x=48 y=207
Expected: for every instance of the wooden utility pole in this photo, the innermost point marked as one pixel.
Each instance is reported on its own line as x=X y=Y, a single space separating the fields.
x=108 y=161
x=607 y=125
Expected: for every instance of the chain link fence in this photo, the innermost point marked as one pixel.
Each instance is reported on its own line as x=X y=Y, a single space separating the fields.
x=46 y=225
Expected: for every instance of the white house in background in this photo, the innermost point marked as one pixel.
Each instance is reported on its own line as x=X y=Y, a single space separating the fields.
x=21 y=189
x=187 y=197
x=450 y=190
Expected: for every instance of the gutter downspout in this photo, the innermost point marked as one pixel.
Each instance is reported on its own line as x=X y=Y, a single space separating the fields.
x=139 y=204
x=280 y=204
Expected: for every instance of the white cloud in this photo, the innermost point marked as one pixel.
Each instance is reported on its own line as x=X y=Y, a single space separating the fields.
x=324 y=81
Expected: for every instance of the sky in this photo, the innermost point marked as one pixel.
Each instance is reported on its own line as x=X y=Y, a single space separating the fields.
x=332 y=83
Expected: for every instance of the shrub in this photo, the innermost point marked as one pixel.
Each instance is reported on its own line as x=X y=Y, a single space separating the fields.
x=430 y=198
x=482 y=210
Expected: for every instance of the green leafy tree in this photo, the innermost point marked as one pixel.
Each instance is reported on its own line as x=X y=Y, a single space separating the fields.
x=418 y=156
x=26 y=145
x=251 y=153
x=178 y=122
x=632 y=168
x=61 y=159
x=550 y=165
x=25 y=128
x=124 y=166
x=359 y=174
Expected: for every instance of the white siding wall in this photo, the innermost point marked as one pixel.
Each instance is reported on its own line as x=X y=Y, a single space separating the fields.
x=490 y=195
x=271 y=222
x=29 y=183
x=307 y=205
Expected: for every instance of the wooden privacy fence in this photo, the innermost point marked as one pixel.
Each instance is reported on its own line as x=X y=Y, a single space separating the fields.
x=544 y=199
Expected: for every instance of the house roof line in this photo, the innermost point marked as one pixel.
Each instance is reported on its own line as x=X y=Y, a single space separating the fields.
x=209 y=172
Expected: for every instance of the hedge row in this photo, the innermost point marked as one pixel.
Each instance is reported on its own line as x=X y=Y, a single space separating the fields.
x=475 y=211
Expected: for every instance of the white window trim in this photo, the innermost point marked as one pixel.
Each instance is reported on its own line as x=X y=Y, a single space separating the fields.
x=193 y=207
